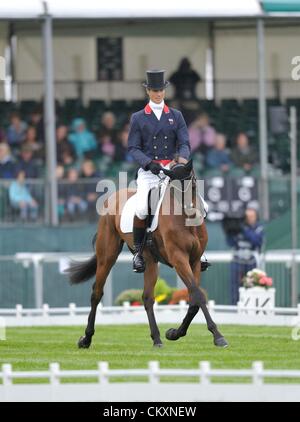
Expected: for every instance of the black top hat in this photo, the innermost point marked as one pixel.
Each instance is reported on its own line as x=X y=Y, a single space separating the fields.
x=155 y=80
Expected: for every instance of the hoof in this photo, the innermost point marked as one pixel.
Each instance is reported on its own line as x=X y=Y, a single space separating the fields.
x=221 y=342
x=159 y=345
x=205 y=265
x=83 y=343
x=172 y=334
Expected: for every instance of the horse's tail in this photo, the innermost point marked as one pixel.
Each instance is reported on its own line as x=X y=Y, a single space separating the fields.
x=82 y=271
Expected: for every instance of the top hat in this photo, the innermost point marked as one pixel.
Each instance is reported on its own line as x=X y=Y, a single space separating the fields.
x=155 y=80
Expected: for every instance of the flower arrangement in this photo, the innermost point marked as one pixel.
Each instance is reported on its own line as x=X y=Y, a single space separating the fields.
x=257 y=277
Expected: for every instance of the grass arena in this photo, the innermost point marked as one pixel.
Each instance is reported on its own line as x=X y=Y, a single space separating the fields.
x=128 y=347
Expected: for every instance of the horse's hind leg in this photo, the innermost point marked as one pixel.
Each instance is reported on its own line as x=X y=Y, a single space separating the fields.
x=150 y=278
x=108 y=246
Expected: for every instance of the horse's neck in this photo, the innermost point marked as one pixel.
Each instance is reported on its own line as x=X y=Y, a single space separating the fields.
x=181 y=197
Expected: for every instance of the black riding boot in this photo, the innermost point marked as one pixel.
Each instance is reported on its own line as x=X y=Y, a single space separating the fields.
x=138 y=238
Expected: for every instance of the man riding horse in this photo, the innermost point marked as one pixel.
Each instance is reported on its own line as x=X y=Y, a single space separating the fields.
x=157 y=133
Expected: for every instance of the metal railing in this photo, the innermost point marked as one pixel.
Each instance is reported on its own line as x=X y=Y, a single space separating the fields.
x=68 y=210
x=201 y=387
x=279 y=196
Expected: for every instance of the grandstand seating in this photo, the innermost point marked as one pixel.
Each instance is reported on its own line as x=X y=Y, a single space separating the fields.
x=229 y=116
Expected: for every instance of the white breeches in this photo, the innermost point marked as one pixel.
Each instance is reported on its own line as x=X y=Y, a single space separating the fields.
x=145 y=181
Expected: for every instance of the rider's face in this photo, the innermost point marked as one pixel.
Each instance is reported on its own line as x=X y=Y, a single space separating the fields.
x=156 y=95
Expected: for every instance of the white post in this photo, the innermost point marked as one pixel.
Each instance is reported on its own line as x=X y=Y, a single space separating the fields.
x=103 y=369
x=126 y=306
x=54 y=381
x=38 y=281
x=19 y=309
x=153 y=372
x=54 y=374
x=182 y=305
x=7 y=374
x=72 y=309
x=257 y=377
x=45 y=310
x=204 y=372
x=211 y=305
x=182 y=308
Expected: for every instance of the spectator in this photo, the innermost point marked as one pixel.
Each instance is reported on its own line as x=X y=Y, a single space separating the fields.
x=74 y=195
x=108 y=125
x=67 y=160
x=218 y=157
x=107 y=147
x=247 y=242
x=62 y=143
x=37 y=121
x=90 y=194
x=243 y=155
x=61 y=191
x=32 y=142
x=2 y=135
x=21 y=199
x=185 y=80
x=107 y=135
x=16 y=132
x=83 y=140
x=121 y=153
x=27 y=162
x=7 y=164
x=202 y=135
x=89 y=171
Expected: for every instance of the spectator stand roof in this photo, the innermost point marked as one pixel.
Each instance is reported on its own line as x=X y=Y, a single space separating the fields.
x=285 y=6
x=131 y=9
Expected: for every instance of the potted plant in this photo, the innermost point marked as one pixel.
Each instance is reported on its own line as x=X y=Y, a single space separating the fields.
x=257 y=291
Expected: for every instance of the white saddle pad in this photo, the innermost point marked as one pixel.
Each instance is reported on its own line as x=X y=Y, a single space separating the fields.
x=129 y=210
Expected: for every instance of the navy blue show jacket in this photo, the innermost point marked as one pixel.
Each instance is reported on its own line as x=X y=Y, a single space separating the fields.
x=152 y=139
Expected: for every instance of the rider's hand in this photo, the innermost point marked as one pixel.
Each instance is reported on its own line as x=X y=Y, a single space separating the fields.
x=182 y=160
x=155 y=168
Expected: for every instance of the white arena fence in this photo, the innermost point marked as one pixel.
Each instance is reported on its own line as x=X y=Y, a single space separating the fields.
x=62 y=259
x=126 y=314
x=201 y=387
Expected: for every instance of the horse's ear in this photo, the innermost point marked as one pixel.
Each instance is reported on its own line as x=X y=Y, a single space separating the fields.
x=189 y=165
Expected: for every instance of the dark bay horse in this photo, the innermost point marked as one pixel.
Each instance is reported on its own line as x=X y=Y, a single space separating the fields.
x=178 y=244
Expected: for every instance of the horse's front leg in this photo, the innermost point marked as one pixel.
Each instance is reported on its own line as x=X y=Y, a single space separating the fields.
x=150 y=278
x=211 y=325
x=191 y=279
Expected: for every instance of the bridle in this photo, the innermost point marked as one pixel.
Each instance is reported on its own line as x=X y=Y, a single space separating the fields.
x=191 y=177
